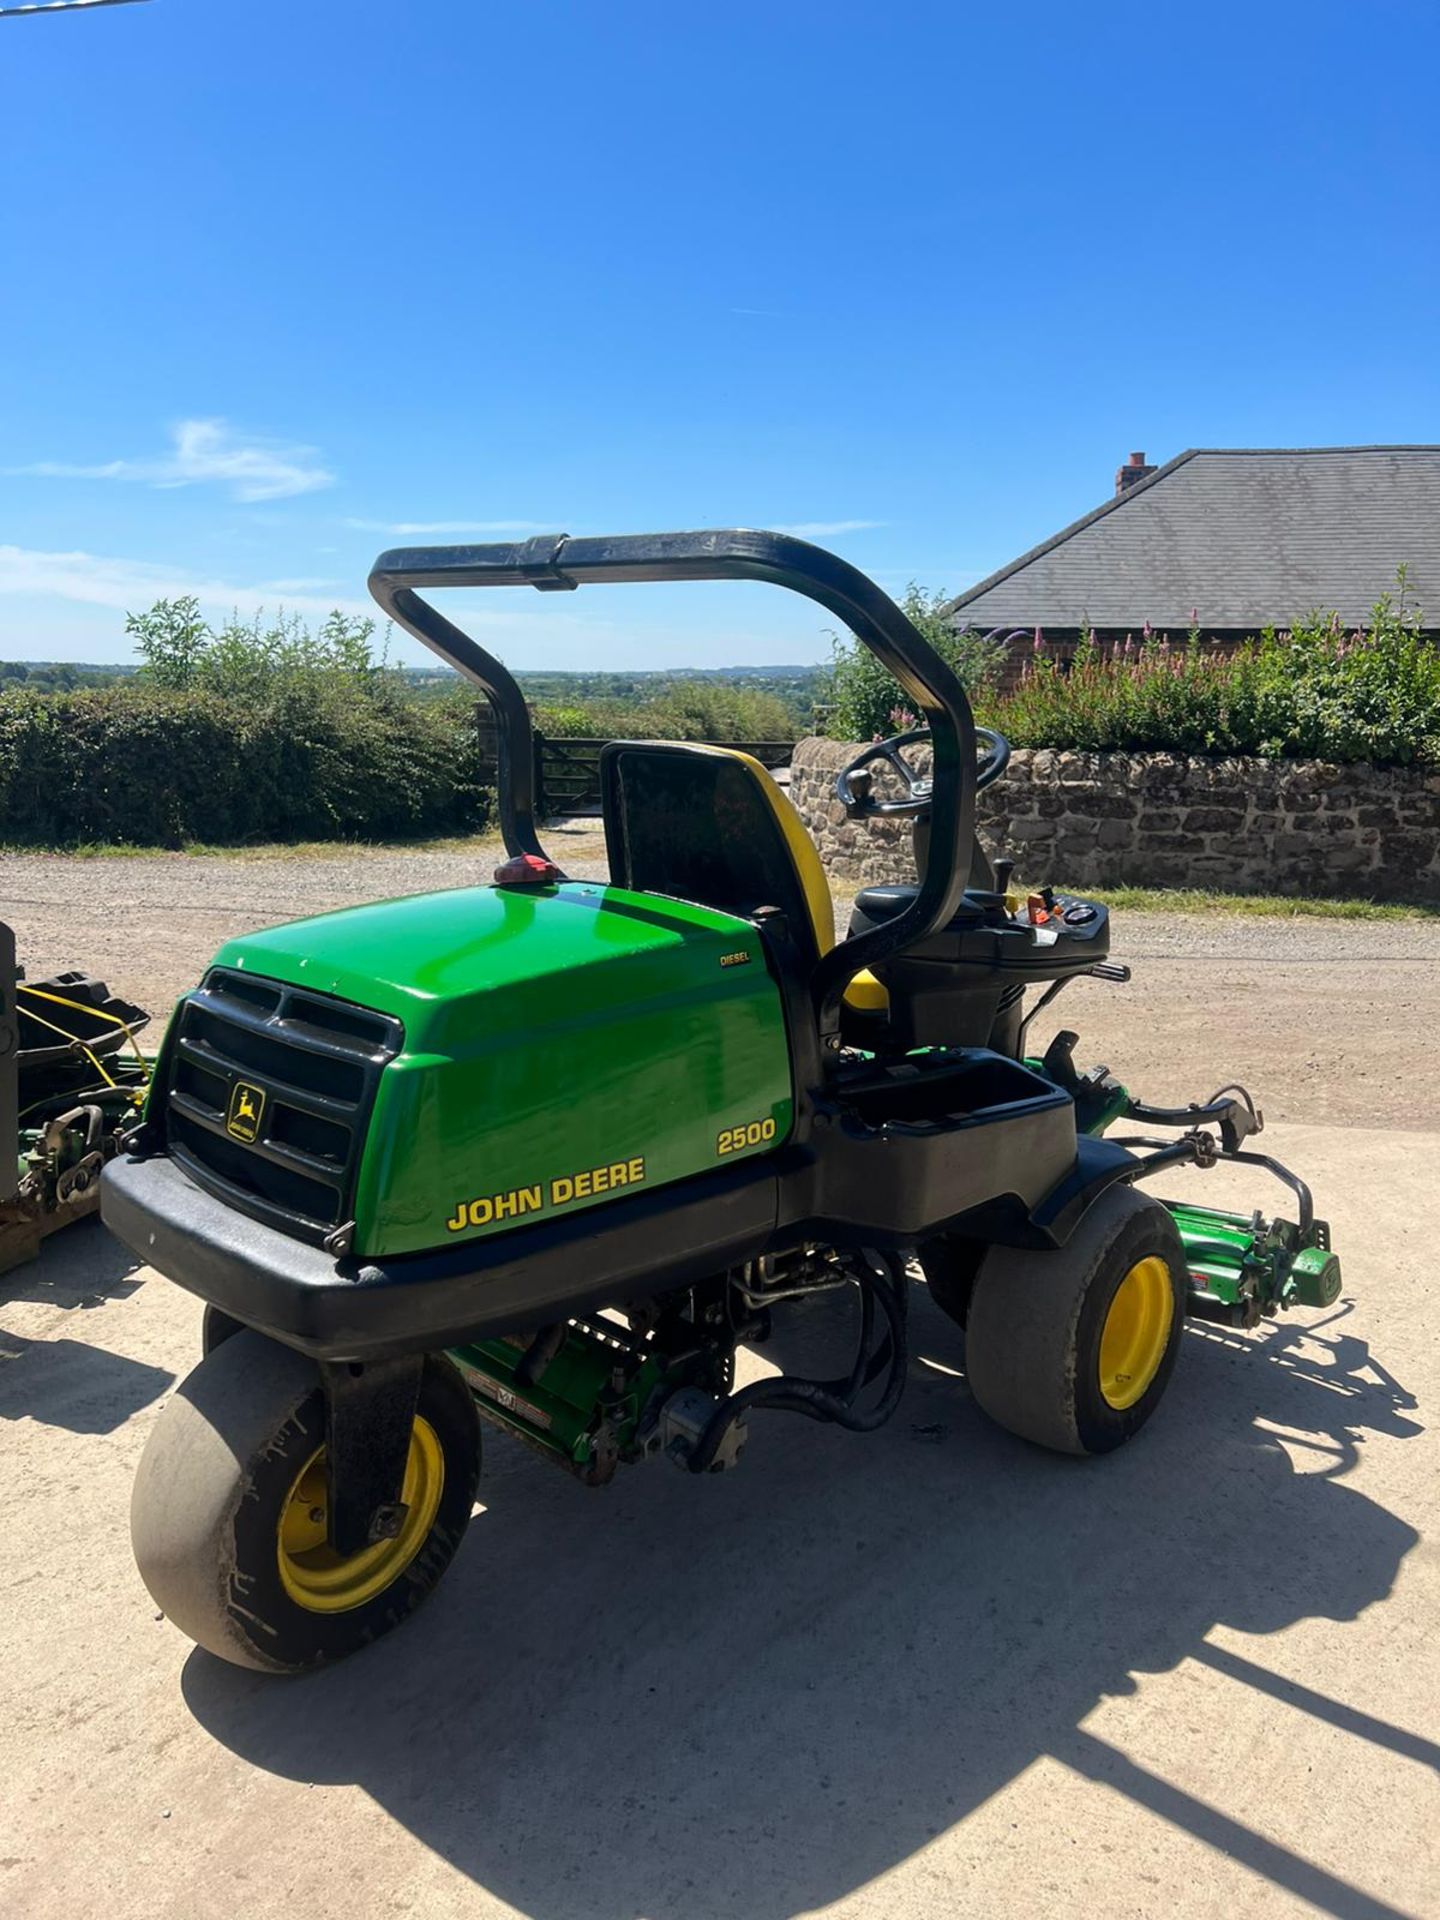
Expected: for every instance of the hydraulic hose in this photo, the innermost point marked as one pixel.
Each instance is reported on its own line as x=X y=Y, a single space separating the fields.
x=829 y=1400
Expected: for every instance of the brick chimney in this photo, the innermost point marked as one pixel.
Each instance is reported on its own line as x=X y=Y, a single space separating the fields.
x=1133 y=471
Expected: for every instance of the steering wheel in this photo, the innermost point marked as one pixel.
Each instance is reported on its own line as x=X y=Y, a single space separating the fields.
x=852 y=783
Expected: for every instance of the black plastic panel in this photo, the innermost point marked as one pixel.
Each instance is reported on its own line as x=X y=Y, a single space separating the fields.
x=915 y=1150
x=315 y=1063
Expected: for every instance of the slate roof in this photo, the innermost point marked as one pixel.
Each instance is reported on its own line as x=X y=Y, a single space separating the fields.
x=1247 y=536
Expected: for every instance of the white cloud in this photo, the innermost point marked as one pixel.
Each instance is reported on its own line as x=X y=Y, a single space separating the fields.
x=208 y=452
x=400 y=527
x=816 y=529
x=130 y=585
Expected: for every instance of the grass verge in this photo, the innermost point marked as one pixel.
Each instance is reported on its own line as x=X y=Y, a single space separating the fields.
x=296 y=850
x=1270 y=906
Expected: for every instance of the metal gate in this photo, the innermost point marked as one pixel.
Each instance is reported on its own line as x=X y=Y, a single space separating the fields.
x=567 y=771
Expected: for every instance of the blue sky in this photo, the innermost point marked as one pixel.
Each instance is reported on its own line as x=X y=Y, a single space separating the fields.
x=282 y=280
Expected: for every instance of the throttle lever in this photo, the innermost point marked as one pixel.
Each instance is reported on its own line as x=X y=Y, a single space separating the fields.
x=860 y=792
x=1059 y=1064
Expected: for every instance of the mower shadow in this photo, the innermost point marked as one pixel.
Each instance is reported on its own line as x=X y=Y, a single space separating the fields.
x=82 y=1266
x=753 y=1694
x=69 y=1383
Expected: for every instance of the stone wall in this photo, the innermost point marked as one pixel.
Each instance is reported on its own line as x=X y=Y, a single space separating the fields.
x=1165 y=820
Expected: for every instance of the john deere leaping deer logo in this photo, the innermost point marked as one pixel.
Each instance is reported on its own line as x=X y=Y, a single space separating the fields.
x=242 y=1118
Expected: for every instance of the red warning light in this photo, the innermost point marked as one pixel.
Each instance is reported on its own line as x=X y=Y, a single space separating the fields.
x=526 y=870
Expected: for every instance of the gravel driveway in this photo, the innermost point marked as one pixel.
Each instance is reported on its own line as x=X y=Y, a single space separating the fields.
x=1334 y=1021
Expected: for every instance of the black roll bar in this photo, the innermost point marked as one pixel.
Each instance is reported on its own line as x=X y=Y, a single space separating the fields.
x=556 y=563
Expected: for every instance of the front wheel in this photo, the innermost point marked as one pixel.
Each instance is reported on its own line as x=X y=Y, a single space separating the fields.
x=1073 y=1349
x=228 y=1513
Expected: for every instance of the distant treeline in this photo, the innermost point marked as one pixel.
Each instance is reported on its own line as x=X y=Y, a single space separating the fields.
x=598 y=704
x=59 y=676
x=797 y=690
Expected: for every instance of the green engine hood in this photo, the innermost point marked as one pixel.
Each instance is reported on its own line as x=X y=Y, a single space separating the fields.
x=553 y=1037
x=426 y=957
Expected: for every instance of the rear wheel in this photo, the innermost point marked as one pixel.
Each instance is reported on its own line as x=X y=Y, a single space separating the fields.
x=228 y=1514
x=1073 y=1349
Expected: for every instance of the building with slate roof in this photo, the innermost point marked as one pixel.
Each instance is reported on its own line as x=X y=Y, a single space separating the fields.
x=1232 y=540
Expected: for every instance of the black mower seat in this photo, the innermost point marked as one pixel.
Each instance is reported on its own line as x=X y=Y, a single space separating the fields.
x=709 y=824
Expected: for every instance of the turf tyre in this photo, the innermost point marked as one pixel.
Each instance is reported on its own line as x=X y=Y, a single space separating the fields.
x=1035 y=1322
x=212 y=1487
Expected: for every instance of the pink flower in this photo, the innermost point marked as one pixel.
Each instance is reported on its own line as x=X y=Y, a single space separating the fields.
x=1148 y=631
x=1037 y=645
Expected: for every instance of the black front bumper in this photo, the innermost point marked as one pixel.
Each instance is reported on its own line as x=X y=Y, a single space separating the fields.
x=354 y=1308
x=358 y=1309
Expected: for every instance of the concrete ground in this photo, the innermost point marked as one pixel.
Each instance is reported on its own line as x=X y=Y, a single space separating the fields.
x=930 y=1672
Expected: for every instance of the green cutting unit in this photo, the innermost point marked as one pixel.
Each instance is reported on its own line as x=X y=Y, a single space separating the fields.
x=547 y=1153
x=72 y=1080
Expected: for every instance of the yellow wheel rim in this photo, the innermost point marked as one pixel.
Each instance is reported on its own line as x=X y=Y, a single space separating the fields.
x=1136 y=1332
x=313 y=1574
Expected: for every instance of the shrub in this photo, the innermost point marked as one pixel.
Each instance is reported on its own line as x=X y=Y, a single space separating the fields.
x=867 y=701
x=1313 y=692
x=260 y=731
x=252 y=660
x=560 y=723
x=711 y=710
x=156 y=767
x=267 y=730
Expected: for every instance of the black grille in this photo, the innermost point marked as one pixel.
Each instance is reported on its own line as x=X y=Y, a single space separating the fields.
x=269 y=1094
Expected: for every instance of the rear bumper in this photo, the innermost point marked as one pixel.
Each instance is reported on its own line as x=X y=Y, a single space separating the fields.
x=355 y=1309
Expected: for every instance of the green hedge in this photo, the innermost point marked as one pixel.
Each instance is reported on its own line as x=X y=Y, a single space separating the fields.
x=1314 y=692
x=867 y=704
x=152 y=767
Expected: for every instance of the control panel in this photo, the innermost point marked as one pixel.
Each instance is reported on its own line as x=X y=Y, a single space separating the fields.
x=1042 y=936
x=1039 y=936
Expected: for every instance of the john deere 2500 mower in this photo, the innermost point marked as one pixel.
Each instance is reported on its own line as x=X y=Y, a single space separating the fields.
x=546 y=1153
